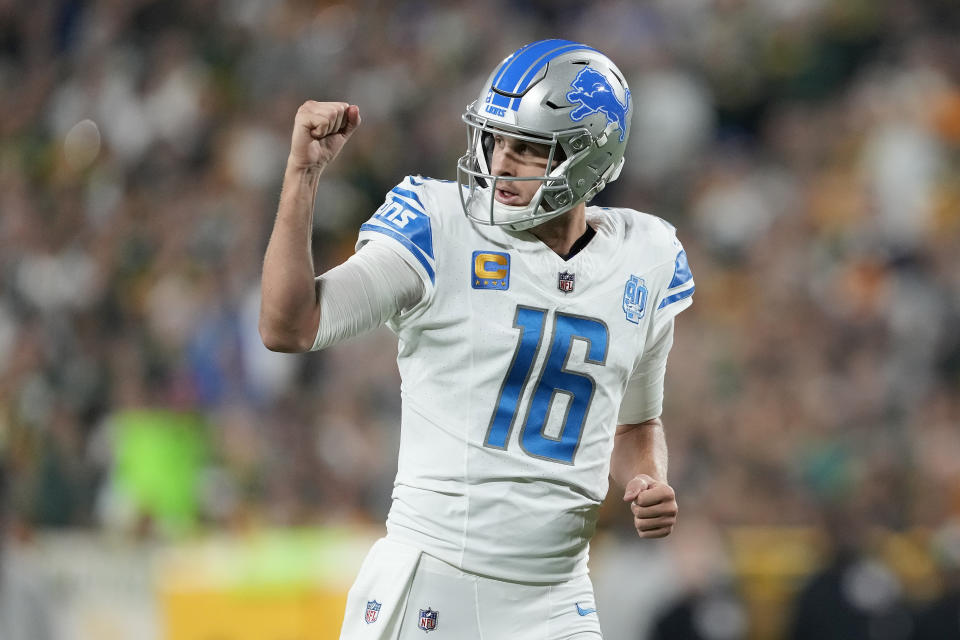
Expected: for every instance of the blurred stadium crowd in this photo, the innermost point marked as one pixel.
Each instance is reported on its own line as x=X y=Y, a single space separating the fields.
x=807 y=150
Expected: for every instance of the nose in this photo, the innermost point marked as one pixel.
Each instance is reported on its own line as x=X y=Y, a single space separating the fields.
x=500 y=163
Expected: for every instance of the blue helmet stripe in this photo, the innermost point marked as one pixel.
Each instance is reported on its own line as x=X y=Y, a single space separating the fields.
x=501 y=100
x=506 y=63
x=512 y=72
x=539 y=64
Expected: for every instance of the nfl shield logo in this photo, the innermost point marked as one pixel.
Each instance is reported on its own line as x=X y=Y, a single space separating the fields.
x=373 y=611
x=565 y=283
x=428 y=619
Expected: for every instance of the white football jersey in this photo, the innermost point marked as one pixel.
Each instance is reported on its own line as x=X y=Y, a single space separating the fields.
x=514 y=366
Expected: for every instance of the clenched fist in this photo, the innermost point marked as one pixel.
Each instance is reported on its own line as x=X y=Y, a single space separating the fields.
x=320 y=130
x=654 y=506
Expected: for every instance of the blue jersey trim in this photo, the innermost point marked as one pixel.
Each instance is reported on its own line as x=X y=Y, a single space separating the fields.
x=419 y=233
x=406 y=242
x=406 y=193
x=681 y=271
x=677 y=296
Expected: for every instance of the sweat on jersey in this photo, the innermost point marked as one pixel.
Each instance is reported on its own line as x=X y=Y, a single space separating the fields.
x=514 y=367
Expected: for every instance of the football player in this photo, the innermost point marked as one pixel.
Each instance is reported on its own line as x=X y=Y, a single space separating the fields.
x=533 y=338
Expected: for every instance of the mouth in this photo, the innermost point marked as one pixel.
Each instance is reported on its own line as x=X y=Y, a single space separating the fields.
x=506 y=196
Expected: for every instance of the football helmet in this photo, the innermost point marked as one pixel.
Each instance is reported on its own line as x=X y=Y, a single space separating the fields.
x=559 y=93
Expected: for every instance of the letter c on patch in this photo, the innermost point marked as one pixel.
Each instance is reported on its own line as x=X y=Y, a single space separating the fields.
x=482 y=262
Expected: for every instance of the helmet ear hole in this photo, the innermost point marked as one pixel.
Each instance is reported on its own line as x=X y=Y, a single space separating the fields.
x=486 y=141
x=485 y=145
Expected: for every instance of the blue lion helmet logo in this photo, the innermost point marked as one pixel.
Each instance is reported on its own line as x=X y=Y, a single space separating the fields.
x=595 y=95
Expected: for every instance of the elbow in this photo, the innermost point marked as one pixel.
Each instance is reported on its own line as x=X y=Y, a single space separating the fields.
x=287 y=330
x=273 y=340
x=282 y=341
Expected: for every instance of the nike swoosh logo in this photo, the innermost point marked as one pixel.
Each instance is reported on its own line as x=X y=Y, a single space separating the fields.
x=584 y=612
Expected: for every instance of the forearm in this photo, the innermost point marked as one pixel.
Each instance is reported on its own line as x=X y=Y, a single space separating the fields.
x=639 y=449
x=289 y=309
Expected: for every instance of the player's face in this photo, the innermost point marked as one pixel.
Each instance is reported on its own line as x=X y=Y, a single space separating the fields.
x=518 y=159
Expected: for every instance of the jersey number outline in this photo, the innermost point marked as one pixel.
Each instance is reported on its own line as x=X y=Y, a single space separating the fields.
x=554 y=378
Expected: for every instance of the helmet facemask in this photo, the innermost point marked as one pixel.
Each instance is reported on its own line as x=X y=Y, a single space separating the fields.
x=478 y=184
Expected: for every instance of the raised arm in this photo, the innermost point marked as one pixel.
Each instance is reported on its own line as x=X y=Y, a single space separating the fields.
x=289 y=306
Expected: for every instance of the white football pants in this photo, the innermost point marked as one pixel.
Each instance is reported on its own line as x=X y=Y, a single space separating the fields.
x=404 y=594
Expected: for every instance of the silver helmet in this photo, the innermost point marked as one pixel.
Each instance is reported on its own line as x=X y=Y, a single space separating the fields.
x=562 y=94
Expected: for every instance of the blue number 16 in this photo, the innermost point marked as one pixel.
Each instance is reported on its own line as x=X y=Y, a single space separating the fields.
x=554 y=378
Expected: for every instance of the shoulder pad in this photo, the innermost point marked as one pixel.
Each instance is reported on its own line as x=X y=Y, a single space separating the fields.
x=405 y=218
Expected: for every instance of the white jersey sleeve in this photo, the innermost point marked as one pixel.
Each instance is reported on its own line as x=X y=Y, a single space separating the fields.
x=643 y=398
x=364 y=292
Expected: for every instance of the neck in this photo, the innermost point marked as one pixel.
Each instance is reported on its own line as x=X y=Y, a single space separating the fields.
x=562 y=232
